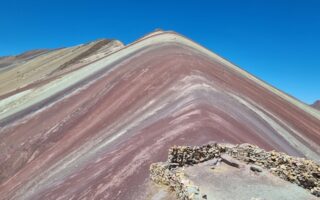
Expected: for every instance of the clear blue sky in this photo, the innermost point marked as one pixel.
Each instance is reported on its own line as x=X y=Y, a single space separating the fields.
x=276 y=40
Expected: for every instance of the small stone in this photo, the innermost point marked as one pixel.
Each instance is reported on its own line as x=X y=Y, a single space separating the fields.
x=282 y=166
x=255 y=168
x=316 y=191
x=230 y=161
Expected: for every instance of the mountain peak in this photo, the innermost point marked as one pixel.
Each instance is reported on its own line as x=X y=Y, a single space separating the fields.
x=316 y=104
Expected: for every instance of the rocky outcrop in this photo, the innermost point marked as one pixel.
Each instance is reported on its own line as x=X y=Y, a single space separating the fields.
x=303 y=172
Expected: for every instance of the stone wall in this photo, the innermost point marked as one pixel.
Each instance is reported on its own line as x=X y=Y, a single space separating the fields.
x=185 y=190
x=303 y=172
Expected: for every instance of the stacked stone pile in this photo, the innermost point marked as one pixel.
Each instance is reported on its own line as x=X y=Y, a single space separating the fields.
x=303 y=172
x=185 y=189
x=185 y=155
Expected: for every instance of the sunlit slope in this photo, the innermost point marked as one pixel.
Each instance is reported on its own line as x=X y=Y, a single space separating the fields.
x=34 y=66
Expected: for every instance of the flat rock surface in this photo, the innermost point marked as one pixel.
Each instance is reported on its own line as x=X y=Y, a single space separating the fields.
x=225 y=182
x=154 y=191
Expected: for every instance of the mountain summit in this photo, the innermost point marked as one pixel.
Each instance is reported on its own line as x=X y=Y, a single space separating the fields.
x=316 y=104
